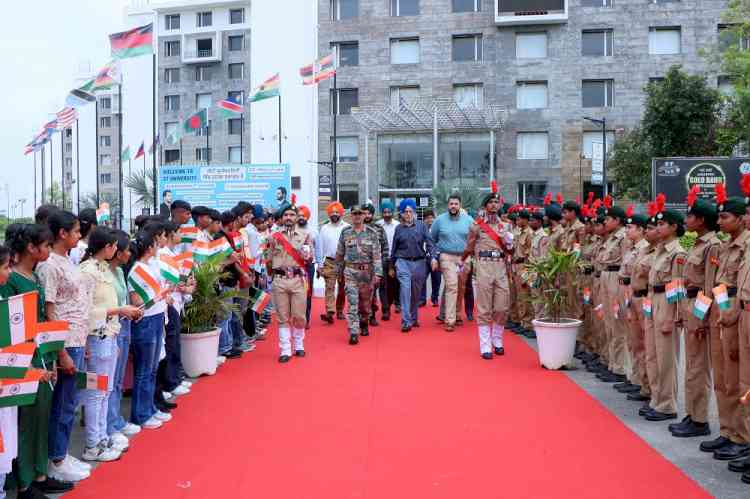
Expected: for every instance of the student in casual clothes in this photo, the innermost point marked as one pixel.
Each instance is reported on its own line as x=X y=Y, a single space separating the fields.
x=87 y=219
x=230 y=326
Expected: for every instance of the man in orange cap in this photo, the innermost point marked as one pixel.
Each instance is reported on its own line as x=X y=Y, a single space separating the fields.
x=325 y=256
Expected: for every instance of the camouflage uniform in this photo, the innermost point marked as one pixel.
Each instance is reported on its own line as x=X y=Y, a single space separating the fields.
x=384 y=252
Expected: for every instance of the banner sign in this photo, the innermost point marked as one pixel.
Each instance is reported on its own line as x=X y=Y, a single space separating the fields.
x=676 y=176
x=222 y=186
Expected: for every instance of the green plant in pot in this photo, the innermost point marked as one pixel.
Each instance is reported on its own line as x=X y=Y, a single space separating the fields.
x=210 y=305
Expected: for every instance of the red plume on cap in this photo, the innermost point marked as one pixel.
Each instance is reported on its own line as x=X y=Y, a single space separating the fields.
x=661 y=199
x=692 y=196
x=294 y=199
x=629 y=211
x=608 y=201
x=560 y=199
x=548 y=199
x=597 y=204
x=652 y=211
x=590 y=198
x=585 y=211
x=745 y=184
x=578 y=199
x=721 y=193
x=493 y=187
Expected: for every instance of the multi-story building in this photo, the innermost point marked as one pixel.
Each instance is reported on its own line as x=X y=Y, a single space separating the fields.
x=108 y=147
x=68 y=185
x=546 y=63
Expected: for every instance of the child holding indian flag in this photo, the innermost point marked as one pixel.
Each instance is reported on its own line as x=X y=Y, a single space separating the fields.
x=8 y=415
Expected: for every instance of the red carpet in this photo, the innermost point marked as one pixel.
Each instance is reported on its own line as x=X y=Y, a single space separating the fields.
x=398 y=416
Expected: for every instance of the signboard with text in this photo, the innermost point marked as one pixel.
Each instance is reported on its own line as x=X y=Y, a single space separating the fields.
x=597 y=163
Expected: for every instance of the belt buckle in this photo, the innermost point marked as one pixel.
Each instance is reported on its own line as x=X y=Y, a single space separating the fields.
x=289 y=273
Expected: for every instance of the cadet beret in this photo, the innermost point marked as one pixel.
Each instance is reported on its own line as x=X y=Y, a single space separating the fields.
x=553 y=212
x=538 y=215
x=489 y=197
x=672 y=217
x=616 y=212
x=735 y=206
x=637 y=219
x=524 y=214
x=571 y=205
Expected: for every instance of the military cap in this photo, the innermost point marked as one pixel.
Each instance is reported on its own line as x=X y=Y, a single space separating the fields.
x=553 y=212
x=735 y=206
x=616 y=212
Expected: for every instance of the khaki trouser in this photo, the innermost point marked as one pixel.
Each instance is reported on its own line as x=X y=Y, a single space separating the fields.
x=743 y=345
x=616 y=327
x=492 y=292
x=334 y=298
x=697 y=365
x=525 y=311
x=649 y=340
x=664 y=385
x=586 y=335
x=454 y=285
x=290 y=300
x=637 y=345
x=599 y=338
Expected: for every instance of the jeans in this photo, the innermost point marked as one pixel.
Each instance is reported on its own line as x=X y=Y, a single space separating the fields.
x=146 y=348
x=435 y=279
x=115 y=421
x=411 y=277
x=226 y=339
x=102 y=359
x=170 y=373
x=63 y=410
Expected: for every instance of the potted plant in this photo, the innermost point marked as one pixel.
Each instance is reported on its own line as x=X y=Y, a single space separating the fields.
x=199 y=341
x=550 y=279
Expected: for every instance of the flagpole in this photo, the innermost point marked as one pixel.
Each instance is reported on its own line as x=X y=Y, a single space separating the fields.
x=119 y=97
x=35 y=181
x=130 y=193
x=62 y=166
x=78 y=169
x=208 y=140
x=279 y=127
x=51 y=172
x=155 y=134
x=96 y=142
x=333 y=159
x=242 y=133
x=44 y=146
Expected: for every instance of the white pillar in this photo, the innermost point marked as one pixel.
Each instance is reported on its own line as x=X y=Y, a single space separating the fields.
x=367 y=166
x=435 y=149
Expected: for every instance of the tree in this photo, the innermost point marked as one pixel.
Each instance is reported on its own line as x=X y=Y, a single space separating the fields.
x=88 y=200
x=734 y=55
x=53 y=195
x=629 y=166
x=142 y=185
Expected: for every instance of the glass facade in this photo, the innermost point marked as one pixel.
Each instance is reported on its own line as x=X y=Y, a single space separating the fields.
x=465 y=158
x=405 y=161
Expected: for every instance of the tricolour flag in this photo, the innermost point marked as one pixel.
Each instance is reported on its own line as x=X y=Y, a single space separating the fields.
x=196 y=121
x=307 y=72
x=15 y=360
x=79 y=98
x=189 y=233
x=230 y=108
x=18 y=319
x=577 y=249
x=267 y=89
x=721 y=295
x=701 y=305
x=107 y=77
x=185 y=261
x=154 y=144
x=320 y=70
x=646 y=306
x=18 y=392
x=102 y=214
x=586 y=296
x=216 y=250
x=599 y=309
x=66 y=117
x=50 y=336
x=141 y=151
x=259 y=299
x=144 y=284
x=92 y=381
x=169 y=268
x=132 y=43
x=125 y=154
x=673 y=291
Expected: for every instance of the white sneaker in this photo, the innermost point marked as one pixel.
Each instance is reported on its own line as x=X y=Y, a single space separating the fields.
x=66 y=471
x=186 y=383
x=131 y=429
x=220 y=360
x=248 y=347
x=180 y=390
x=101 y=453
x=152 y=423
x=119 y=439
x=162 y=416
x=166 y=395
x=118 y=446
x=79 y=464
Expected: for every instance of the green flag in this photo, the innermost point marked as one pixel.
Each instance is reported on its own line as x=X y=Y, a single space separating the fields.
x=125 y=154
x=196 y=122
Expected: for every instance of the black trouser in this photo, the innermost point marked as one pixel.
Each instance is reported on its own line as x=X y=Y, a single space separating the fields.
x=168 y=373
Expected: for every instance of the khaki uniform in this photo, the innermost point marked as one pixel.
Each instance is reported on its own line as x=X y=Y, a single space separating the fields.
x=588 y=252
x=539 y=243
x=600 y=305
x=668 y=262
x=699 y=275
x=556 y=237
x=635 y=344
x=515 y=301
x=568 y=243
x=612 y=252
x=521 y=254
x=641 y=326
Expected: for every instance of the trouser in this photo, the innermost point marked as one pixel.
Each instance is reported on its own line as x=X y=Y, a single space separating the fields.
x=115 y=421
x=334 y=298
x=286 y=335
x=614 y=323
x=468 y=293
x=665 y=347
x=454 y=288
x=168 y=375
x=226 y=339
x=697 y=364
x=493 y=302
x=289 y=298
x=741 y=413
x=586 y=337
x=434 y=276
x=392 y=292
x=410 y=275
x=525 y=311
x=146 y=348
x=102 y=360
x=64 y=403
x=599 y=342
x=358 y=288
x=637 y=345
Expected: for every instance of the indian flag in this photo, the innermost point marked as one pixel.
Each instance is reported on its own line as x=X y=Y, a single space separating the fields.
x=17 y=392
x=217 y=249
x=18 y=319
x=144 y=284
x=586 y=296
x=50 y=336
x=577 y=249
x=267 y=89
x=260 y=300
x=189 y=233
x=673 y=291
x=169 y=269
x=721 y=296
x=701 y=305
x=92 y=381
x=15 y=360
x=102 y=214
x=599 y=309
x=185 y=261
x=646 y=307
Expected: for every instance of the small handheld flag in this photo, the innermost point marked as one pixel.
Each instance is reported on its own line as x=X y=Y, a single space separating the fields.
x=169 y=268
x=673 y=291
x=599 y=309
x=92 y=381
x=259 y=299
x=216 y=250
x=18 y=316
x=185 y=261
x=102 y=214
x=586 y=296
x=701 y=305
x=19 y=392
x=15 y=360
x=189 y=233
x=577 y=249
x=144 y=284
x=647 y=307
x=50 y=336
x=721 y=296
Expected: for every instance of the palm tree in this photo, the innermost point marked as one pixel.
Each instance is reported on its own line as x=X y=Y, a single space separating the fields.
x=141 y=183
x=88 y=200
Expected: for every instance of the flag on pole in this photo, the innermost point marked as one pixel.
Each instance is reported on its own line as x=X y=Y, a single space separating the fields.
x=51 y=126
x=196 y=121
x=154 y=145
x=144 y=284
x=125 y=154
x=132 y=43
x=721 y=295
x=107 y=77
x=307 y=72
x=216 y=250
x=189 y=233
x=672 y=292
x=185 y=261
x=320 y=70
x=50 y=336
x=102 y=214
x=92 y=381
x=79 y=98
x=230 y=108
x=701 y=305
x=259 y=299
x=169 y=268
x=15 y=360
x=66 y=117
x=141 y=151
x=18 y=392
x=38 y=142
x=267 y=89
x=18 y=319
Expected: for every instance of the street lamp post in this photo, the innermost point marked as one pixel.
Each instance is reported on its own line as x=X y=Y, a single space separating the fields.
x=603 y=123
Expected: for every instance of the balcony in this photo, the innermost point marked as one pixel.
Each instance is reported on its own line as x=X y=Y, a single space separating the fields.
x=201 y=48
x=525 y=12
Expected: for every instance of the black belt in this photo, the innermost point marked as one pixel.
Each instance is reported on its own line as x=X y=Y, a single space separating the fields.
x=330 y=258
x=640 y=293
x=598 y=275
x=625 y=281
x=359 y=266
x=410 y=259
x=519 y=260
x=288 y=273
x=745 y=306
x=731 y=292
x=613 y=268
x=588 y=271
x=491 y=254
x=658 y=288
x=692 y=292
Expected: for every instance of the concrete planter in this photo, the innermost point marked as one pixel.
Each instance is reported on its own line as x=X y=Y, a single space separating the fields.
x=556 y=341
x=199 y=352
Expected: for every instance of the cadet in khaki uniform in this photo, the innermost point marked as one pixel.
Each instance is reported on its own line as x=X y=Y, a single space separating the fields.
x=490 y=244
x=522 y=238
x=358 y=257
x=571 y=211
x=539 y=242
x=288 y=253
x=588 y=242
x=600 y=363
x=553 y=214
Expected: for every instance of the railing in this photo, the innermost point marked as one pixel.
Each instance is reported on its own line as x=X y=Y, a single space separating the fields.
x=200 y=54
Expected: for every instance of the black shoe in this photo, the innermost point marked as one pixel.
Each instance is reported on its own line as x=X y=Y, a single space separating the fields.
x=619 y=386
x=405 y=329
x=682 y=424
x=732 y=451
x=596 y=367
x=52 y=486
x=745 y=478
x=740 y=465
x=299 y=353
x=284 y=358
x=637 y=397
x=31 y=493
x=416 y=324
x=166 y=404
x=340 y=316
x=631 y=389
x=385 y=317
x=327 y=318
x=645 y=409
x=612 y=378
x=660 y=416
x=499 y=351
x=529 y=334
x=692 y=430
x=363 y=331
x=353 y=339
x=713 y=445
x=233 y=354
x=487 y=356
x=374 y=321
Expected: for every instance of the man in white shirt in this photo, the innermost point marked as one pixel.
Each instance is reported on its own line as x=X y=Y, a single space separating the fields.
x=325 y=256
x=389 y=293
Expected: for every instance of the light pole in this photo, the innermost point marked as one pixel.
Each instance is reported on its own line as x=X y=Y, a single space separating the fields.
x=21 y=202
x=603 y=123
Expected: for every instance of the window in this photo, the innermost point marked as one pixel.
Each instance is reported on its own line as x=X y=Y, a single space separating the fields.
x=469 y=95
x=532 y=193
x=407 y=93
x=172 y=102
x=172 y=48
x=205 y=131
x=344 y=9
x=170 y=130
x=171 y=155
x=236 y=43
x=235 y=154
x=203 y=19
x=106 y=103
x=236 y=16
x=203 y=154
x=347 y=149
x=730 y=38
x=171 y=21
x=405 y=51
x=596 y=3
x=105 y=178
x=68 y=146
x=726 y=86
x=532 y=145
x=531 y=95
x=464 y=157
x=347 y=53
x=296 y=182
x=597 y=93
x=202 y=101
x=587 y=149
x=405 y=161
x=656 y=79
x=235 y=126
x=467 y=5
x=105 y=141
x=348 y=195
x=597 y=42
x=404 y=8
x=237 y=96
x=237 y=71
x=467 y=47
x=105 y=159
x=531 y=45
x=662 y=41
x=204 y=47
x=68 y=133
x=343 y=103
x=172 y=75
x=202 y=73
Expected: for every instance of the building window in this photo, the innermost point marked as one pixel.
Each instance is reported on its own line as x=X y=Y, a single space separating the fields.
x=68 y=133
x=406 y=93
x=205 y=131
x=204 y=47
x=106 y=103
x=347 y=149
x=405 y=51
x=344 y=9
x=597 y=93
x=105 y=159
x=203 y=154
x=467 y=6
x=68 y=146
x=172 y=102
x=465 y=157
x=531 y=45
x=172 y=48
x=531 y=95
x=725 y=85
x=348 y=195
x=656 y=79
x=202 y=101
x=105 y=122
x=531 y=193
x=236 y=43
x=587 y=148
x=347 y=53
x=105 y=141
x=235 y=154
x=170 y=130
x=664 y=41
x=202 y=73
x=171 y=21
x=236 y=96
x=405 y=161
x=729 y=37
x=237 y=71
x=235 y=126
x=105 y=178
x=236 y=16
x=596 y=3
x=203 y=19
x=467 y=48
x=172 y=75
x=404 y=8
x=346 y=99
x=597 y=42
x=532 y=145
x=171 y=155
x=469 y=95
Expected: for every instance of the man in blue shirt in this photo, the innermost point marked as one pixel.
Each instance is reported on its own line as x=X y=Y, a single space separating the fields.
x=412 y=244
